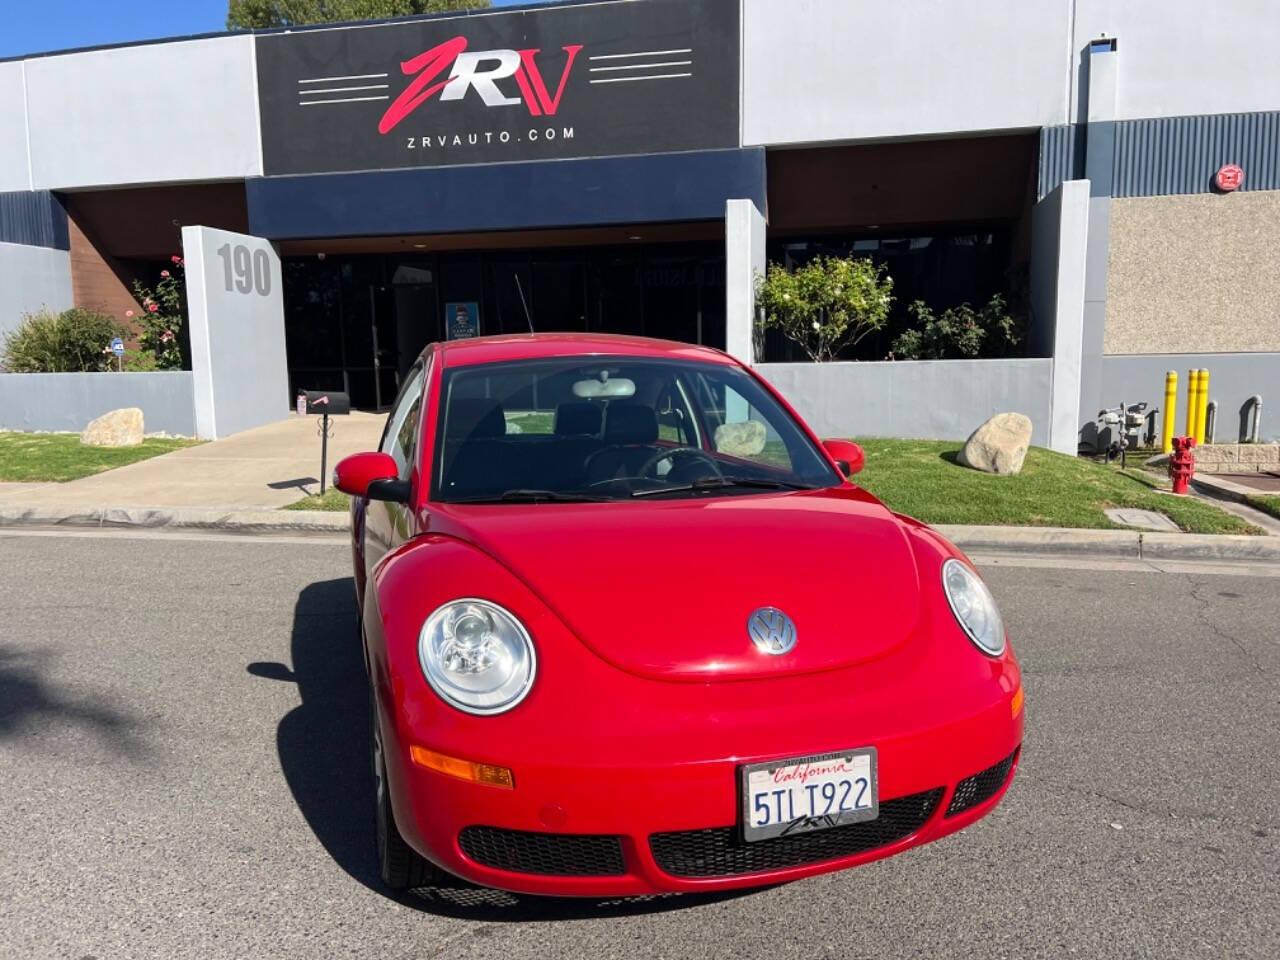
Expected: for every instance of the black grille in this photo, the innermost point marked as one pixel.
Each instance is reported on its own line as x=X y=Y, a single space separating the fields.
x=550 y=854
x=981 y=787
x=720 y=852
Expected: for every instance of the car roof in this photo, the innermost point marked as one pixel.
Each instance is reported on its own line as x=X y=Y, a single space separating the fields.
x=532 y=346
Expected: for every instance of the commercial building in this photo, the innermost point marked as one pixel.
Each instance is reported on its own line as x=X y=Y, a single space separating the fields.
x=345 y=194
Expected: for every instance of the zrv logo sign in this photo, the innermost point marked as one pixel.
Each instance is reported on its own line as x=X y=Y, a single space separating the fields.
x=479 y=71
x=585 y=80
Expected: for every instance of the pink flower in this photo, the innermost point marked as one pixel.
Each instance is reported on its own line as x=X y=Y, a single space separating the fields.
x=128 y=313
x=152 y=308
x=176 y=259
x=164 y=273
x=166 y=337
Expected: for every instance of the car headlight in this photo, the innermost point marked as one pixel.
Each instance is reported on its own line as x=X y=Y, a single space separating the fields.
x=974 y=607
x=477 y=656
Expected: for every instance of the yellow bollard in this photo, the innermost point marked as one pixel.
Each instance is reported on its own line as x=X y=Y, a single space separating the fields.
x=1170 y=410
x=1203 y=413
x=1193 y=402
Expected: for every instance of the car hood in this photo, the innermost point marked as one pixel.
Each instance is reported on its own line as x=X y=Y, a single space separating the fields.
x=665 y=589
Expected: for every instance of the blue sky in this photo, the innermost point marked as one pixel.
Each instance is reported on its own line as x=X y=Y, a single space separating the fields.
x=33 y=26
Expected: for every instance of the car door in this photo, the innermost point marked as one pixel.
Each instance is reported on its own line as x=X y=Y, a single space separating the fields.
x=387 y=525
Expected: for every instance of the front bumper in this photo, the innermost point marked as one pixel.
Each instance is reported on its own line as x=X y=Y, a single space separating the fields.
x=662 y=815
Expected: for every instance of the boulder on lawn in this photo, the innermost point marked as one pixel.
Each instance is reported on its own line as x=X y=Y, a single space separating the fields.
x=743 y=439
x=118 y=428
x=999 y=445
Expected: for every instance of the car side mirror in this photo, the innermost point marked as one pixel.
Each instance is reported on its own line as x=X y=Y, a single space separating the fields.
x=847 y=455
x=373 y=475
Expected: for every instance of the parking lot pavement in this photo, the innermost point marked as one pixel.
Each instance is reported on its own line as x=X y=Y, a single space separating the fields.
x=182 y=747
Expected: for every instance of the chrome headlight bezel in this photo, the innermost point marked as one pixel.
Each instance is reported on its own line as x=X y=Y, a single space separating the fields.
x=958 y=577
x=510 y=633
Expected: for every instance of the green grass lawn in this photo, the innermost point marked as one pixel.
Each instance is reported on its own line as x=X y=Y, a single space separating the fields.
x=333 y=499
x=921 y=479
x=1266 y=502
x=40 y=457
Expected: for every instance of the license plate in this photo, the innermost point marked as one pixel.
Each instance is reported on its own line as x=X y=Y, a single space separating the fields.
x=786 y=797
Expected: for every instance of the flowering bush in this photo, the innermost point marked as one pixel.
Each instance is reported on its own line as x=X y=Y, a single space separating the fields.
x=957 y=332
x=826 y=305
x=163 y=318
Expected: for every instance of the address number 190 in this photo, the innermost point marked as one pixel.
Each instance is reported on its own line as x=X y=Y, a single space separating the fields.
x=244 y=270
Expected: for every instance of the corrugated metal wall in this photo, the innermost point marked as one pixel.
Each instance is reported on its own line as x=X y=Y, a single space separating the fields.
x=1061 y=156
x=1170 y=155
x=36 y=219
x=1181 y=154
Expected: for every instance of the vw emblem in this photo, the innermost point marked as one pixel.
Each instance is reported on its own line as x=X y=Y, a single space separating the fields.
x=771 y=631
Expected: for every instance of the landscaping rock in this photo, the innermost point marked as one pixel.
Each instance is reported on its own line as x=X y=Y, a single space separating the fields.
x=999 y=445
x=743 y=439
x=118 y=428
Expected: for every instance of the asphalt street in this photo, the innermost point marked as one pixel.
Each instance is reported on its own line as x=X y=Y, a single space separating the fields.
x=183 y=773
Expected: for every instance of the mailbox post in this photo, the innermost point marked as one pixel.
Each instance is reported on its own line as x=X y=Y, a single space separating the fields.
x=325 y=404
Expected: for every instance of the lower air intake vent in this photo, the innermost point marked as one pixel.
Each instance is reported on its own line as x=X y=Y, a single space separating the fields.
x=720 y=852
x=548 y=854
x=981 y=787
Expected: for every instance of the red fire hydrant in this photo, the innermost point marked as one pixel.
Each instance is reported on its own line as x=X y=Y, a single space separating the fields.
x=1182 y=463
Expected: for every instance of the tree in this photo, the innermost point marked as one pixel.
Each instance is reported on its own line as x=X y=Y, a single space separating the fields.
x=245 y=14
x=826 y=305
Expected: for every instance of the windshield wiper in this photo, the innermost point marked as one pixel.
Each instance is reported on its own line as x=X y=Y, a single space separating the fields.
x=719 y=483
x=522 y=495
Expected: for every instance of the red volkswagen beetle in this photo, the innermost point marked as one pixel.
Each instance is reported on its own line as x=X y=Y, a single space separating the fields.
x=629 y=629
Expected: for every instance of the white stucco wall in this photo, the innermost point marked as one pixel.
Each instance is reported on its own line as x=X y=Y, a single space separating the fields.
x=1181 y=57
x=852 y=69
x=14 y=167
x=145 y=114
x=31 y=278
x=235 y=309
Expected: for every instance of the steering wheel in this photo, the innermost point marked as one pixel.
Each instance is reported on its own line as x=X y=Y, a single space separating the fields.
x=690 y=453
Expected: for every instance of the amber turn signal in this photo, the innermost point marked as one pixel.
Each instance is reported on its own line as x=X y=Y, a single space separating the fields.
x=1016 y=703
x=462 y=769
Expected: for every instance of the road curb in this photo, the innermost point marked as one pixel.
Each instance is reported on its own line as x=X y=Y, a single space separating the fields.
x=1043 y=541
x=1124 y=544
x=1113 y=544
x=160 y=518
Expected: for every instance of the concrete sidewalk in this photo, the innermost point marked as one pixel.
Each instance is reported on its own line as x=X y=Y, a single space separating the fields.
x=261 y=469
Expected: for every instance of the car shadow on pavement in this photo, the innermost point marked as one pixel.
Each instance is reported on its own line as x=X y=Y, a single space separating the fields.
x=324 y=754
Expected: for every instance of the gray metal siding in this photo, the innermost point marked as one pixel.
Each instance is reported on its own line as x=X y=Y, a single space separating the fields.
x=1172 y=155
x=1061 y=156
x=1169 y=155
x=36 y=219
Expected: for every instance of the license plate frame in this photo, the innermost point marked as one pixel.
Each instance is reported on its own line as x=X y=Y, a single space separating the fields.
x=804 y=823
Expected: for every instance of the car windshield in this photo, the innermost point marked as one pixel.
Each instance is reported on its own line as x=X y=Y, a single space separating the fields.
x=602 y=428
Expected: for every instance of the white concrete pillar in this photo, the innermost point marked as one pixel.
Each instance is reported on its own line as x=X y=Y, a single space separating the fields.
x=1068 y=299
x=744 y=258
x=235 y=314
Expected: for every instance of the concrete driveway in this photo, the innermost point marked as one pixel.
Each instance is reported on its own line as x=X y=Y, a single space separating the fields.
x=264 y=468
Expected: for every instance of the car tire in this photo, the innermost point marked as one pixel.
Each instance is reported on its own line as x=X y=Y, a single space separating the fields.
x=399 y=866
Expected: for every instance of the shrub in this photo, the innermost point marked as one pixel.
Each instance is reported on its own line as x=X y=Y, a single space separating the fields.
x=74 y=341
x=826 y=305
x=163 y=319
x=958 y=332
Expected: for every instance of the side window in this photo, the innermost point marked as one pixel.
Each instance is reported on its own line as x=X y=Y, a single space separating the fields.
x=738 y=429
x=400 y=438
